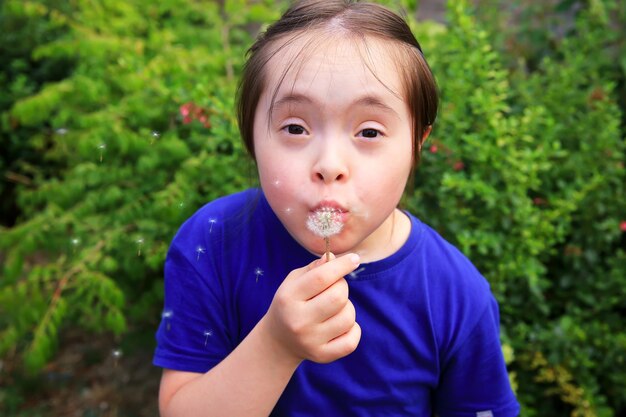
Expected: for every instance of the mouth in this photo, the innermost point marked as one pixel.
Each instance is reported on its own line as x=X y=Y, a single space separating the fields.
x=329 y=205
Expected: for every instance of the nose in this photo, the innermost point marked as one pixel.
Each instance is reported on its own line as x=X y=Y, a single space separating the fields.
x=331 y=164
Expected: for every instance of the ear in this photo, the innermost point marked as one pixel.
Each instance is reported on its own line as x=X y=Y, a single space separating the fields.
x=425 y=135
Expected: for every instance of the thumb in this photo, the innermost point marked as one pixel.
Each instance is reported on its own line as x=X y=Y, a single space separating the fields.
x=320 y=261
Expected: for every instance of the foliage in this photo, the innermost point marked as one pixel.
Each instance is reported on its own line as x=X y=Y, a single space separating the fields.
x=132 y=163
x=22 y=29
x=121 y=124
x=525 y=172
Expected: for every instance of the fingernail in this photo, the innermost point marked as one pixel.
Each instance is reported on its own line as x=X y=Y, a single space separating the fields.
x=355 y=258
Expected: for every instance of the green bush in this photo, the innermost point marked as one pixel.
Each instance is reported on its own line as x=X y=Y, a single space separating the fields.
x=145 y=129
x=524 y=172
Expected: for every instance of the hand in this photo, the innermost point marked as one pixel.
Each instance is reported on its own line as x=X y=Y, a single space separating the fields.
x=311 y=316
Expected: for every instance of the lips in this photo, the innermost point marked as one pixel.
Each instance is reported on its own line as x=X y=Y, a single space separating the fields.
x=330 y=204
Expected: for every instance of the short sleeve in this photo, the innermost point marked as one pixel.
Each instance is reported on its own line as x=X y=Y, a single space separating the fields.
x=193 y=335
x=474 y=382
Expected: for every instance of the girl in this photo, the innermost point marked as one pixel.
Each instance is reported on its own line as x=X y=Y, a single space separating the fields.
x=335 y=103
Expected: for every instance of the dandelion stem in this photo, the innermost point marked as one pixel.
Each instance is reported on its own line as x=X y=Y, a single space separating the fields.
x=327 y=242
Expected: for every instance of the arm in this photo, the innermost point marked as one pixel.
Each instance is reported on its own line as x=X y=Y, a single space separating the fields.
x=310 y=317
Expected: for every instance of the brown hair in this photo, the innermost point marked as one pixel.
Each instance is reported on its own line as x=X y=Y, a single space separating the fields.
x=355 y=18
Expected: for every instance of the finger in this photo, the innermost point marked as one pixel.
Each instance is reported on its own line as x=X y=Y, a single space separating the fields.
x=339 y=323
x=320 y=261
x=330 y=301
x=323 y=276
x=341 y=346
x=297 y=273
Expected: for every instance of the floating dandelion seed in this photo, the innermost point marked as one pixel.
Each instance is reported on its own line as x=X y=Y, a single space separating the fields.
x=355 y=274
x=258 y=272
x=207 y=334
x=167 y=315
x=155 y=136
x=276 y=183
x=288 y=210
x=102 y=147
x=139 y=244
x=325 y=222
x=75 y=241
x=212 y=222
x=116 y=354
x=199 y=250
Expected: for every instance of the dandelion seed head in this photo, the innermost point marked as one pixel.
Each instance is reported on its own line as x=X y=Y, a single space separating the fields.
x=155 y=134
x=117 y=353
x=61 y=131
x=102 y=146
x=325 y=222
x=75 y=241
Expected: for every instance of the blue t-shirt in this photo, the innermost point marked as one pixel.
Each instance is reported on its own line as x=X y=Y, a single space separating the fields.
x=430 y=325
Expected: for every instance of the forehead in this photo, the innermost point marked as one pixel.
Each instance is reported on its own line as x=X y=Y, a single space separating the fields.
x=330 y=63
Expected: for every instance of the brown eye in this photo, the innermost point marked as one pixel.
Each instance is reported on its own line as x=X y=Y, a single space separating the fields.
x=295 y=130
x=370 y=133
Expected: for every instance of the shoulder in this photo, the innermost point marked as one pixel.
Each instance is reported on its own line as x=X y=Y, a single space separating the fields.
x=458 y=294
x=204 y=231
x=224 y=209
x=212 y=217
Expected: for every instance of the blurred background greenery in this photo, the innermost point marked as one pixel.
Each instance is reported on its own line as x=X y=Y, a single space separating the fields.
x=117 y=123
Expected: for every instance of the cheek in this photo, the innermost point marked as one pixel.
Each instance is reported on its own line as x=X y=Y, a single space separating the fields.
x=280 y=185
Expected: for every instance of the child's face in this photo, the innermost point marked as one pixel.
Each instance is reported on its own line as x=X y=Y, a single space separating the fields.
x=339 y=135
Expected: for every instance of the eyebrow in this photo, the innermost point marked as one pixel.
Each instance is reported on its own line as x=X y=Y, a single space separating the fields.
x=366 y=101
x=292 y=99
x=374 y=101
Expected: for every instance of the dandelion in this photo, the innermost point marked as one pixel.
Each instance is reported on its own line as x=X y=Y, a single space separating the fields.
x=258 y=272
x=207 y=334
x=102 y=147
x=212 y=222
x=61 y=131
x=139 y=244
x=325 y=222
x=116 y=354
x=167 y=315
x=155 y=136
x=199 y=250
x=75 y=242
x=355 y=274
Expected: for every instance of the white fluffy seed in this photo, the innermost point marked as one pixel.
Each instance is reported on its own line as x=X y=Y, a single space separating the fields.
x=325 y=222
